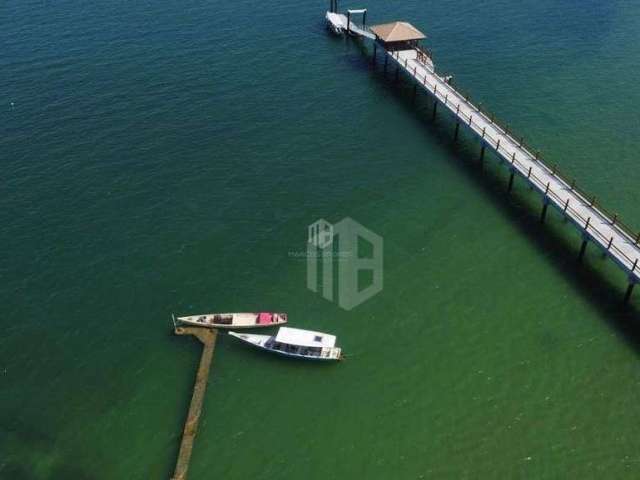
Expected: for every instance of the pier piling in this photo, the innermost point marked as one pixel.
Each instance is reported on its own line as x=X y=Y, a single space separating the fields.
x=544 y=211
x=583 y=248
x=511 y=181
x=627 y=295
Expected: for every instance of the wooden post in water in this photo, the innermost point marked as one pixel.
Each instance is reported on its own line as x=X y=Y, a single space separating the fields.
x=627 y=295
x=544 y=210
x=513 y=173
x=455 y=135
x=632 y=283
x=583 y=248
x=482 y=152
x=207 y=337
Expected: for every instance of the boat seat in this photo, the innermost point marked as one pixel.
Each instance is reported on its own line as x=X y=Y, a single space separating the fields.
x=220 y=320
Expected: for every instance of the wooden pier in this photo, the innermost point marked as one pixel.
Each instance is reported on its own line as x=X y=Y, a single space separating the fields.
x=596 y=225
x=208 y=339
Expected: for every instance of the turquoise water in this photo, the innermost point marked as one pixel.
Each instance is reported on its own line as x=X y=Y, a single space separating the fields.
x=167 y=157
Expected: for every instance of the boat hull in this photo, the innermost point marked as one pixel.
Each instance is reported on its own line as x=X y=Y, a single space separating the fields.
x=262 y=342
x=235 y=321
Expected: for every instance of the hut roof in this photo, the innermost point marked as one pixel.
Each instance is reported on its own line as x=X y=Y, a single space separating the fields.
x=397 y=32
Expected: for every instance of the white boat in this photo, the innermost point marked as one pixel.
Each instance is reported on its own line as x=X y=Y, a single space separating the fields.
x=296 y=343
x=234 y=320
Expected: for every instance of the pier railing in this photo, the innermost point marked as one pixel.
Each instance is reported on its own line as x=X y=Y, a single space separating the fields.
x=508 y=135
x=363 y=29
x=521 y=142
x=424 y=53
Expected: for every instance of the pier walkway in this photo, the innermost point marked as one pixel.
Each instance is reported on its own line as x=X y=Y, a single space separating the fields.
x=597 y=225
x=342 y=23
x=208 y=339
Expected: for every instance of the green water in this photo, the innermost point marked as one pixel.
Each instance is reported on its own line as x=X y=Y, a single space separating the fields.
x=167 y=157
